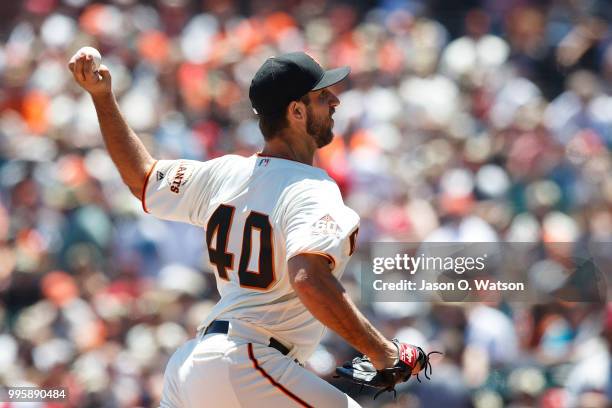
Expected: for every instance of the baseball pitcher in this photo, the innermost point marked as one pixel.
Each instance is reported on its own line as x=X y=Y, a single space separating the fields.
x=279 y=237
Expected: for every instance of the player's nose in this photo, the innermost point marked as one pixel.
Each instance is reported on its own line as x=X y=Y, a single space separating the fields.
x=333 y=100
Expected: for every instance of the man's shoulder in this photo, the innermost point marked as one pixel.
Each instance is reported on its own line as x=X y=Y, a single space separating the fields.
x=322 y=193
x=322 y=186
x=317 y=204
x=231 y=158
x=226 y=159
x=229 y=163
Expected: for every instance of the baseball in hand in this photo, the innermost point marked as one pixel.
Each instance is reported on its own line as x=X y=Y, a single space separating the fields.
x=97 y=58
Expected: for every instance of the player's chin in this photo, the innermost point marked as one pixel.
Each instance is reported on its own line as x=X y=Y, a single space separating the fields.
x=325 y=138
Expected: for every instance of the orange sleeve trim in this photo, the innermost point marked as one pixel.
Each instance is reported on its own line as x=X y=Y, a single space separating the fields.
x=274 y=382
x=325 y=255
x=144 y=188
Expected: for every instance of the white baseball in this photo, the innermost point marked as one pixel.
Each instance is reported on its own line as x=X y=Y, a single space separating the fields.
x=97 y=57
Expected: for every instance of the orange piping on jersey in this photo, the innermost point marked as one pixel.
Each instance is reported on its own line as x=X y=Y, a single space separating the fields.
x=144 y=187
x=325 y=255
x=273 y=382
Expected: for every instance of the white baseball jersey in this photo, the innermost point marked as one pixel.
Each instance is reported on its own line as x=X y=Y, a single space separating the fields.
x=258 y=212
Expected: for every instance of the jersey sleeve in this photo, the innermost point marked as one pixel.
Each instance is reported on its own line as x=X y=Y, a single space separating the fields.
x=179 y=190
x=317 y=221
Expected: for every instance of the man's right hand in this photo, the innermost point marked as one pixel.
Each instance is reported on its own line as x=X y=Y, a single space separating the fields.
x=97 y=83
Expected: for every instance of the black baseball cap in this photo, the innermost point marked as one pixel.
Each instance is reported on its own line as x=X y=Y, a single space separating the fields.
x=287 y=78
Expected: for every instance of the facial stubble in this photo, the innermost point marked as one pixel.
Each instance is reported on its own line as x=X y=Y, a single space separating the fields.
x=319 y=129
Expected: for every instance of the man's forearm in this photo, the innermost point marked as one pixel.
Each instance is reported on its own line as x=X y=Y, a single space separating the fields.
x=325 y=298
x=125 y=148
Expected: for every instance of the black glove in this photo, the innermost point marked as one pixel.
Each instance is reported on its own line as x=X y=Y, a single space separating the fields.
x=362 y=371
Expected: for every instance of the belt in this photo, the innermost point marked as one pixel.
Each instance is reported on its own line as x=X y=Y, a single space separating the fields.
x=222 y=327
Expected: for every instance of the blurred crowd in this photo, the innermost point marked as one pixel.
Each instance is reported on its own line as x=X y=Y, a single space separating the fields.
x=479 y=120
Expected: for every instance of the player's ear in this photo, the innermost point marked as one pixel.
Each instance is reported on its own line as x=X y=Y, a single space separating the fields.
x=297 y=110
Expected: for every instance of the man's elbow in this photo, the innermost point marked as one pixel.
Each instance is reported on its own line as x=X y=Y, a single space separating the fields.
x=137 y=183
x=136 y=192
x=136 y=187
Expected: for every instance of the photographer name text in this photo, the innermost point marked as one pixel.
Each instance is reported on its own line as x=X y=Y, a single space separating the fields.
x=463 y=285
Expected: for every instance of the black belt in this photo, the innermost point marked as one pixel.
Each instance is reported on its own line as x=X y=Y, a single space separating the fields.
x=222 y=326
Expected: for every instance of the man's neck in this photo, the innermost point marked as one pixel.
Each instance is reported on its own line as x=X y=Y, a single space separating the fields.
x=282 y=148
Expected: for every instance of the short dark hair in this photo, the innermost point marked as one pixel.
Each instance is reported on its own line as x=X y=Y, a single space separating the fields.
x=272 y=123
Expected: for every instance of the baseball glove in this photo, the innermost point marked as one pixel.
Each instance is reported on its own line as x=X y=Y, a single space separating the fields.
x=361 y=370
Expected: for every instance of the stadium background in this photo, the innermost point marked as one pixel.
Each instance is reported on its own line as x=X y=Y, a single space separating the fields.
x=473 y=120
